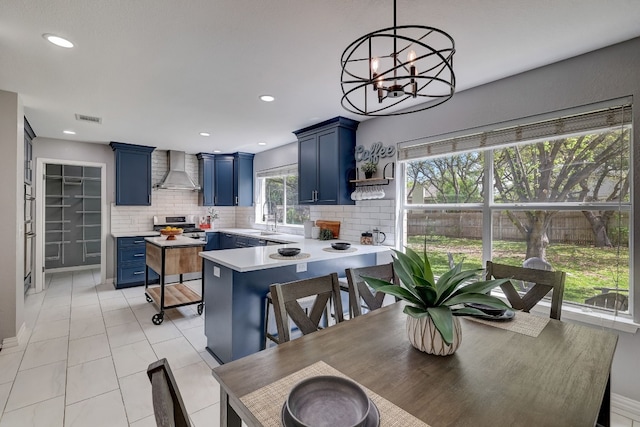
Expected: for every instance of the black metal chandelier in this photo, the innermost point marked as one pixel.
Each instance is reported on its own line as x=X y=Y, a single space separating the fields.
x=384 y=68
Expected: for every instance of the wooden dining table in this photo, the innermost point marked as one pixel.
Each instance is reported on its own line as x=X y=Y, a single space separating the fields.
x=496 y=377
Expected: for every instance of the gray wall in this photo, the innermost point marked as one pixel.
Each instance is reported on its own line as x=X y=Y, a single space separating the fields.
x=597 y=76
x=12 y=214
x=65 y=150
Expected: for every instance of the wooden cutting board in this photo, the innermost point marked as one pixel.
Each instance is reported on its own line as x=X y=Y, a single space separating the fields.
x=334 y=226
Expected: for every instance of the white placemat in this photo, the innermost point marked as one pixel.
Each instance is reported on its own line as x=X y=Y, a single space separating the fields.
x=266 y=403
x=522 y=323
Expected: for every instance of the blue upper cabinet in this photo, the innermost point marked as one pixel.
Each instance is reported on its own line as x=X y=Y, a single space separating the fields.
x=326 y=162
x=233 y=179
x=224 y=194
x=206 y=176
x=133 y=174
x=243 y=179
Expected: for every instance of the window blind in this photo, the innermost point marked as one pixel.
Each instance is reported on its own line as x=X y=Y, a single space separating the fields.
x=278 y=171
x=569 y=123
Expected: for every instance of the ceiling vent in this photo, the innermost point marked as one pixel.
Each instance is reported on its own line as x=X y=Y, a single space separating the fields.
x=85 y=118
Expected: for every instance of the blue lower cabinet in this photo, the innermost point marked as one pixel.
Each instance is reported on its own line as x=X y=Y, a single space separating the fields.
x=227 y=241
x=131 y=261
x=213 y=242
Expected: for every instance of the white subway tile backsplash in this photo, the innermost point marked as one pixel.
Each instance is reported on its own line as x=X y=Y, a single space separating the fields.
x=355 y=219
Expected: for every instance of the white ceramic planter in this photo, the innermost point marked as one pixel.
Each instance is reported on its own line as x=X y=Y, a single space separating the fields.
x=424 y=336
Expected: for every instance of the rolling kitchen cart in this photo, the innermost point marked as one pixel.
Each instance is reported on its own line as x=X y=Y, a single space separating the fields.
x=167 y=258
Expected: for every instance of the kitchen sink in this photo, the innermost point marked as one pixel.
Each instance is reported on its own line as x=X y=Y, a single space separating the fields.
x=262 y=233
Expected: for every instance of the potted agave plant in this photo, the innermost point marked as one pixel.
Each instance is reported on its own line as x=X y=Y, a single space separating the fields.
x=432 y=323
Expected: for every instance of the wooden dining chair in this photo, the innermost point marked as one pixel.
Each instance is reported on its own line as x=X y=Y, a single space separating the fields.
x=286 y=296
x=360 y=294
x=610 y=300
x=168 y=406
x=542 y=283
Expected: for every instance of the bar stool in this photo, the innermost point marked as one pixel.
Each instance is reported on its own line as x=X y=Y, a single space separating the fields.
x=268 y=303
x=305 y=303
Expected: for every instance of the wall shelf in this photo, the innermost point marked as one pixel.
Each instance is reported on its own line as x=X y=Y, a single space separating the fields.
x=387 y=177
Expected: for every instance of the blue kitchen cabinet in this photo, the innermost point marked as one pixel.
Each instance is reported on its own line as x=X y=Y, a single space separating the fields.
x=233 y=179
x=223 y=181
x=206 y=177
x=133 y=174
x=227 y=241
x=213 y=241
x=130 y=262
x=326 y=162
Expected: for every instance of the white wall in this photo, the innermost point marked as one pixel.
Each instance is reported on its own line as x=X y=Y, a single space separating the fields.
x=12 y=214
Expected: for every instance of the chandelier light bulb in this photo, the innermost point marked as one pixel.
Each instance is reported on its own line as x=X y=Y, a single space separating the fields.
x=375 y=63
x=411 y=56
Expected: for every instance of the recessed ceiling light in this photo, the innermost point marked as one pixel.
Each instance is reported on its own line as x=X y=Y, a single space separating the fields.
x=69 y=132
x=262 y=143
x=267 y=98
x=216 y=151
x=205 y=134
x=58 y=41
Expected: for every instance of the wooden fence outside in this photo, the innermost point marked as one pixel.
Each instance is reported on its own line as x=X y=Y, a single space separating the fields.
x=565 y=227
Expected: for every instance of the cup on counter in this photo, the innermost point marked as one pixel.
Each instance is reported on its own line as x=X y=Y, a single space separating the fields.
x=315 y=232
x=308 y=226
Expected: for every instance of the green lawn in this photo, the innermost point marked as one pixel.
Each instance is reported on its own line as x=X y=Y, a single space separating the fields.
x=586 y=267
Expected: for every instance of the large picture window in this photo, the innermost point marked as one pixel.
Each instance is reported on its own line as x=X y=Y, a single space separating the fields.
x=557 y=199
x=278 y=198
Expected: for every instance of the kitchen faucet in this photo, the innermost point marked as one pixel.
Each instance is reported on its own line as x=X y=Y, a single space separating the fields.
x=270 y=206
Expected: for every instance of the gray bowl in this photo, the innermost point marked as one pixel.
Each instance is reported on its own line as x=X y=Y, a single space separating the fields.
x=328 y=401
x=341 y=246
x=289 y=251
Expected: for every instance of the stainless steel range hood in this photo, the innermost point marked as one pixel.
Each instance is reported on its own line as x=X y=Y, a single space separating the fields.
x=177 y=177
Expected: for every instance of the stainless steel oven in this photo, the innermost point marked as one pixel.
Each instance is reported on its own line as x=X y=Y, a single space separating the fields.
x=29 y=234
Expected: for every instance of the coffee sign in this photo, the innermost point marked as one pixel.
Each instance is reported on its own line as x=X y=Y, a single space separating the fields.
x=374 y=154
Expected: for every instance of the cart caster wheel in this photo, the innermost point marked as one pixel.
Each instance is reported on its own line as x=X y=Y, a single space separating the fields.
x=200 y=308
x=148 y=298
x=157 y=318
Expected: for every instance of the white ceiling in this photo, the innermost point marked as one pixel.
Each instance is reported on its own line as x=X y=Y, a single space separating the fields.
x=158 y=72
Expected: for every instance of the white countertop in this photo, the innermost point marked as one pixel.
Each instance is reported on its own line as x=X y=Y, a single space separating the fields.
x=136 y=234
x=257 y=258
x=179 y=241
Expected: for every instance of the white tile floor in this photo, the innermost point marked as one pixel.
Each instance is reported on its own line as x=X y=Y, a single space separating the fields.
x=85 y=359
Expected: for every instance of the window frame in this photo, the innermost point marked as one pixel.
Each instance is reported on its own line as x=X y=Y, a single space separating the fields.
x=261 y=177
x=628 y=322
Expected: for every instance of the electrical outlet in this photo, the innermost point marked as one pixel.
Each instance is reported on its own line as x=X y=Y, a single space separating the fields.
x=301 y=268
x=216 y=271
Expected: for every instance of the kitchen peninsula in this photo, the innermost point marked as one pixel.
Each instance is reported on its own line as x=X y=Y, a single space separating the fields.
x=236 y=281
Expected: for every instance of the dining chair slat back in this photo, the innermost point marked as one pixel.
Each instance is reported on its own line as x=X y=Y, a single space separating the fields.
x=168 y=407
x=326 y=290
x=543 y=283
x=359 y=291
